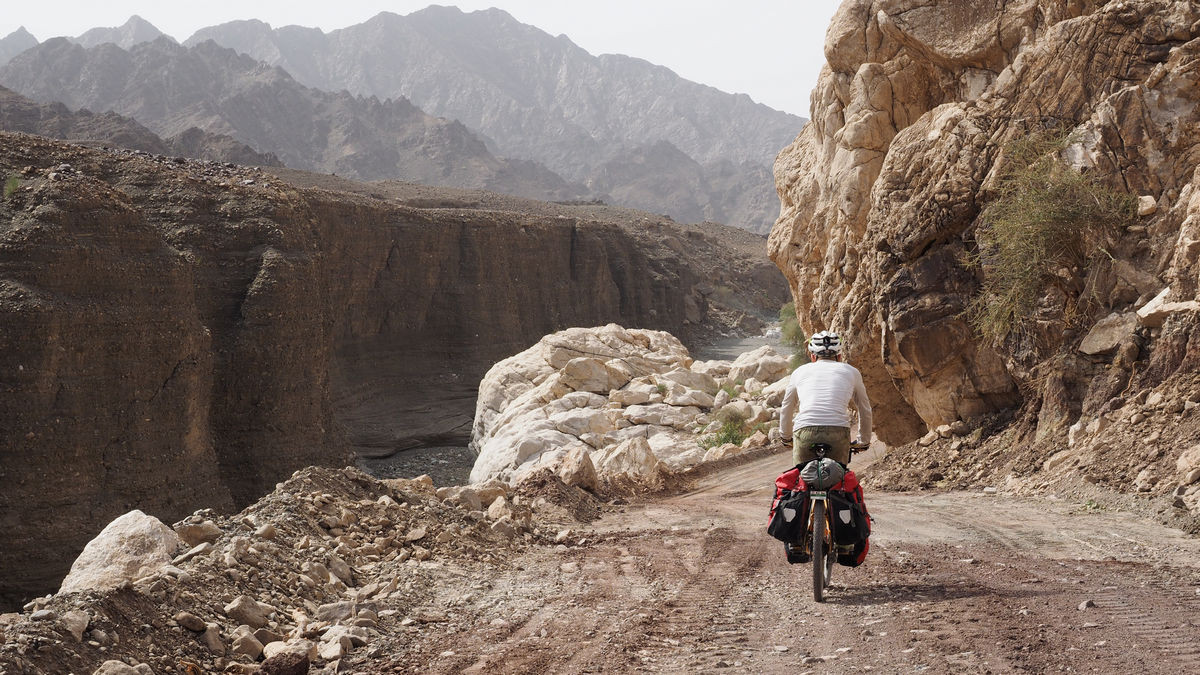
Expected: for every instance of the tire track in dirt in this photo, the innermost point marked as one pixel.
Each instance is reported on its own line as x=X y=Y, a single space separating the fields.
x=955 y=583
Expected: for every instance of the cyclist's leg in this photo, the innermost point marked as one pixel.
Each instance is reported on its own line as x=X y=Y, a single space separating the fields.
x=802 y=441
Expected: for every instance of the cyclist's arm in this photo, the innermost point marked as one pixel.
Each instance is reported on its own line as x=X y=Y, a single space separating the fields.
x=788 y=410
x=863 y=404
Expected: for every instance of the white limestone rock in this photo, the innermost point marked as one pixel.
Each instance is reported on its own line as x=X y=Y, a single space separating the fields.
x=632 y=457
x=763 y=364
x=131 y=547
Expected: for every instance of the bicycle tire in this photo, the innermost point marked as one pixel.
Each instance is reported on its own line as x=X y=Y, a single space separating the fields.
x=818 y=549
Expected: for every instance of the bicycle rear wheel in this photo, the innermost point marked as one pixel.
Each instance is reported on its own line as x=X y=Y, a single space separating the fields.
x=818 y=549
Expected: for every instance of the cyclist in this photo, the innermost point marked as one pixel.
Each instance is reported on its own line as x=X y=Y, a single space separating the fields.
x=815 y=404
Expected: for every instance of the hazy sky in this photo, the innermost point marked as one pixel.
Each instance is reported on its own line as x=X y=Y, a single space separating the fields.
x=769 y=49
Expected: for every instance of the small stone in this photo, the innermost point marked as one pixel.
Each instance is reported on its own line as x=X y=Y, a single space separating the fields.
x=43 y=615
x=562 y=536
x=266 y=532
x=1147 y=205
x=189 y=621
x=336 y=611
x=249 y=611
x=76 y=622
x=194 y=534
x=331 y=651
x=211 y=638
x=285 y=663
x=114 y=667
x=247 y=645
x=569 y=567
x=1086 y=604
x=781 y=648
x=195 y=551
x=416 y=534
x=341 y=570
x=990 y=490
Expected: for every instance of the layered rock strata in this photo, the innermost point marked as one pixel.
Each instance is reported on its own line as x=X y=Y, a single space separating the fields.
x=882 y=194
x=181 y=333
x=632 y=401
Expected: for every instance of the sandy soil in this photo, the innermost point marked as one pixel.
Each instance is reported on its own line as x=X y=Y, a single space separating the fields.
x=955 y=582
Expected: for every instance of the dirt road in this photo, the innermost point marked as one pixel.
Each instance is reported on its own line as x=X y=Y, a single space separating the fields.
x=956 y=582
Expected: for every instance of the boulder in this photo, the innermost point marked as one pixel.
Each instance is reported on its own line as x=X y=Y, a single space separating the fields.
x=632 y=457
x=577 y=469
x=661 y=414
x=763 y=364
x=462 y=496
x=714 y=369
x=723 y=451
x=1108 y=333
x=579 y=421
x=683 y=397
x=133 y=546
x=692 y=379
x=586 y=374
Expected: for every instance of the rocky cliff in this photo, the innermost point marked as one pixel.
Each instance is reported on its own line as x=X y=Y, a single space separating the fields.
x=181 y=333
x=539 y=97
x=916 y=122
x=172 y=89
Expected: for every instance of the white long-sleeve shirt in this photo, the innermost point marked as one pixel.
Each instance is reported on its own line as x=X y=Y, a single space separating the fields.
x=823 y=390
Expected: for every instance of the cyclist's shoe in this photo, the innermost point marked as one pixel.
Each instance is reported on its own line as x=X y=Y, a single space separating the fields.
x=796 y=553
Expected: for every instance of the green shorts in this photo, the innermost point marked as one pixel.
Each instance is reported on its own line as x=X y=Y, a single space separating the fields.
x=804 y=437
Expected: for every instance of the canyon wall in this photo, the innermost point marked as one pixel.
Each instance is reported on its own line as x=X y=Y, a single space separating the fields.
x=179 y=334
x=882 y=194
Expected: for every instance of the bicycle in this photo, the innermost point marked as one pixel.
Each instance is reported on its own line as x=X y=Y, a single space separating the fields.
x=821 y=548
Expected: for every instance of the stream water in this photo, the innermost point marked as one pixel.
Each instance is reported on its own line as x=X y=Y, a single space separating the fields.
x=451 y=465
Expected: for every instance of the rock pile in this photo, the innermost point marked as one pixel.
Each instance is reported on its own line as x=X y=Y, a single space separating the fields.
x=618 y=402
x=308 y=575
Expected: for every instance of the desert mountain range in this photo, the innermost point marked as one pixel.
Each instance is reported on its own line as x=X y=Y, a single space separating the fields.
x=533 y=114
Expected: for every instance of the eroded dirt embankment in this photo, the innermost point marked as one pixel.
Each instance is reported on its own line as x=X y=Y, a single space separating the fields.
x=682 y=582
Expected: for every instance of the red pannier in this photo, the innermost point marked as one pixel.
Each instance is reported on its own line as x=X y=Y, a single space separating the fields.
x=788 y=517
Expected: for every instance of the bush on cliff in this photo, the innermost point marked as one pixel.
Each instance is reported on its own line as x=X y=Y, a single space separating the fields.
x=792 y=334
x=1046 y=216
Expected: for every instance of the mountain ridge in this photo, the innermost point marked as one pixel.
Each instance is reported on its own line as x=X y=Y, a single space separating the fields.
x=171 y=88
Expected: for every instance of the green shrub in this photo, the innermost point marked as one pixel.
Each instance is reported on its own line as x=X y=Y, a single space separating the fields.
x=789 y=327
x=1046 y=215
x=732 y=429
x=662 y=388
x=796 y=360
x=10 y=186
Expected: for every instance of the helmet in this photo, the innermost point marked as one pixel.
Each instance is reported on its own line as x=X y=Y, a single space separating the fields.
x=826 y=343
